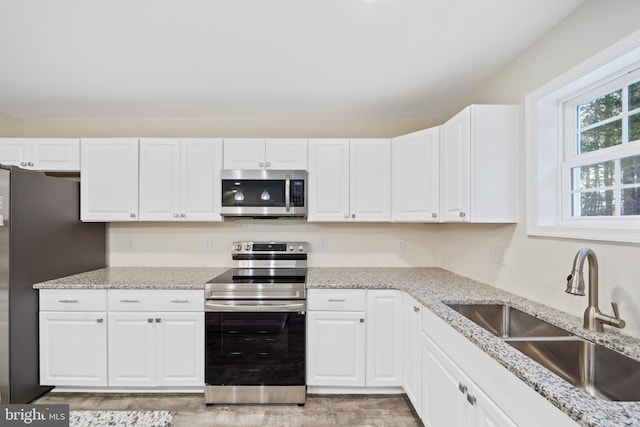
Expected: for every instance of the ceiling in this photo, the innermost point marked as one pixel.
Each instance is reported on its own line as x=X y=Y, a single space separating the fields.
x=257 y=59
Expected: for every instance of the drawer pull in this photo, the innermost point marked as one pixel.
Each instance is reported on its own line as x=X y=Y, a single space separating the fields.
x=335 y=300
x=129 y=300
x=149 y=320
x=180 y=301
x=99 y=320
x=471 y=400
x=67 y=301
x=158 y=320
x=462 y=388
x=416 y=309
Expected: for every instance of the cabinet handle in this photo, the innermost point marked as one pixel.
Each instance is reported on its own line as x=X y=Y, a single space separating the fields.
x=434 y=215
x=158 y=320
x=416 y=309
x=23 y=163
x=346 y=216
x=129 y=300
x=353 y=215
x=99 y=320
x=30 y=164
x=175 y=215
x=471 y=400
x=361 y=320
x=67 y=301
x=149 y=320
x=179 y=301
x=335 y=300
x=267 y=164
x=183 y=215
x=132 y=215
x=462 y=388
x=462 y=214
x=261 y=164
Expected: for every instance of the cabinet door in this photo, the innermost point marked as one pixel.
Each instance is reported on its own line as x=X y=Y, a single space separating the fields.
x=180 y=349
x=109 y=179
x=55 y=154
x=73 y=349
x=286 y=154
x=415 y=180
x=200 y=182
x=486 y=413
x=244 y=153
x=455 y=167
x=132 y=349
x=159 y=179
x=335 y=348
x=370 y=177
x=14 y=152
x=384 y=338
x=328 y=180
x=443 y=393
x=411 y=351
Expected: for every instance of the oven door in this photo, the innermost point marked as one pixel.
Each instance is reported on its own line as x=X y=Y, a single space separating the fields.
x=251 y=343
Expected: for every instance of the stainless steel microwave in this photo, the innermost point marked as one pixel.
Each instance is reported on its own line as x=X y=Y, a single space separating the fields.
x=264 y=194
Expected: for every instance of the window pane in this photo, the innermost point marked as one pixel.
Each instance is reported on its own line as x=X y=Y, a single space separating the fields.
x=630 y=170
x=600 y=109
x=630 y=201
x=634 y=127
x=595 y=203
x=601 y=137
x=634 y=96
x=593 y=176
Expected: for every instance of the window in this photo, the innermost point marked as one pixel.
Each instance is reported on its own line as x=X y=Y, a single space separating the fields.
x=601 y=167
x=583 y=149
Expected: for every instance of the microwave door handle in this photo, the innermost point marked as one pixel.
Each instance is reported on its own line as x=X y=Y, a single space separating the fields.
x=287 y=192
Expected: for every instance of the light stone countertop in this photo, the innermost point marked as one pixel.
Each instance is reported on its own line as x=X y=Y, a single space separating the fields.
x=434 y=288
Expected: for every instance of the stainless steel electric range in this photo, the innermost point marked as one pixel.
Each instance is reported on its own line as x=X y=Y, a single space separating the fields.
x=255 y=326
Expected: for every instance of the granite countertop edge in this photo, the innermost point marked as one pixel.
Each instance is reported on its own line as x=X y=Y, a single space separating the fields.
x=434 y=288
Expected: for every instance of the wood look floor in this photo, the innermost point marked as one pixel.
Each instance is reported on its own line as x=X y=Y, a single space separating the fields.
x=190 y=410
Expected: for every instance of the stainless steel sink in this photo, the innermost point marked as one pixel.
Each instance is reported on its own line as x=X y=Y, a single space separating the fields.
x=601 y=372
x=507 y=322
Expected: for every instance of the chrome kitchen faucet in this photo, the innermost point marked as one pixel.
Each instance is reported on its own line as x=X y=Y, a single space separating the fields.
x=593 y=317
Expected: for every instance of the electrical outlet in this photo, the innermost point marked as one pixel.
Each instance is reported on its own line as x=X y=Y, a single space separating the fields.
x=498 y=254
x=400 y=245
x=207 y=245
x=324 y=245
x=128 y=244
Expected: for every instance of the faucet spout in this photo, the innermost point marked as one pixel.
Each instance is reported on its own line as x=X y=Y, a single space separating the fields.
x=594 y=319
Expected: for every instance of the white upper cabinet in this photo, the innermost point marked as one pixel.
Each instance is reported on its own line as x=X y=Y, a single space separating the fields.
x=478 y=165
x=370 y=176
x=179 y=179
x=349 y=180
x=415 y=178
x=259 y=153
x=109 y=179
x=328 y=180
x=45 y=154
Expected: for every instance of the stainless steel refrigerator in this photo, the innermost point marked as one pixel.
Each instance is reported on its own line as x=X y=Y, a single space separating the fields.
x=41 y=238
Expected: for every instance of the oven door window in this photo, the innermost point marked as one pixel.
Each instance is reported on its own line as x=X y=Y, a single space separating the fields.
x=253 y=193
x=255 y=349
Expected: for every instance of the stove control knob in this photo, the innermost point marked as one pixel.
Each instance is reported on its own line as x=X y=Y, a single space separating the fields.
x=291 y=248
x=238 y=247
x=300 y=248
x=247 y=247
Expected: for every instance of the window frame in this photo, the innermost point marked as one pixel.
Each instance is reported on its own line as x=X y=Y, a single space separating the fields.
x=548 y=173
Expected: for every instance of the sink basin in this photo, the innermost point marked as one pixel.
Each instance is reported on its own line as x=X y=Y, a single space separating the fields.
x=601 y=372
x=507 y=322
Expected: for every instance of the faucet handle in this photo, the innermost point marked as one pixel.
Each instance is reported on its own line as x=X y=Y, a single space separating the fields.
x=616 y=312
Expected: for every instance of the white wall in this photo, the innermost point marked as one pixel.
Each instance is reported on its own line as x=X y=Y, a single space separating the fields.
x=537 y=267
x=10 y=127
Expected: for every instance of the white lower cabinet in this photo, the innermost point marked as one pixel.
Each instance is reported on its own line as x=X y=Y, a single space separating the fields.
x=412 y=369
x=155 y=338
x=73 y=348
x=450 y=398
x=354 y=338
x=152 y=349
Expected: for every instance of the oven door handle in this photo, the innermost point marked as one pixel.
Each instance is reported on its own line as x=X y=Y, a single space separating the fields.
x=255 y=307
x=287 y=192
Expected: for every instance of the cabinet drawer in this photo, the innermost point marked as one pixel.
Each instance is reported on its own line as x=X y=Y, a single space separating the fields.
x=155 y=300
x=73 y=300
x=336 y=299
